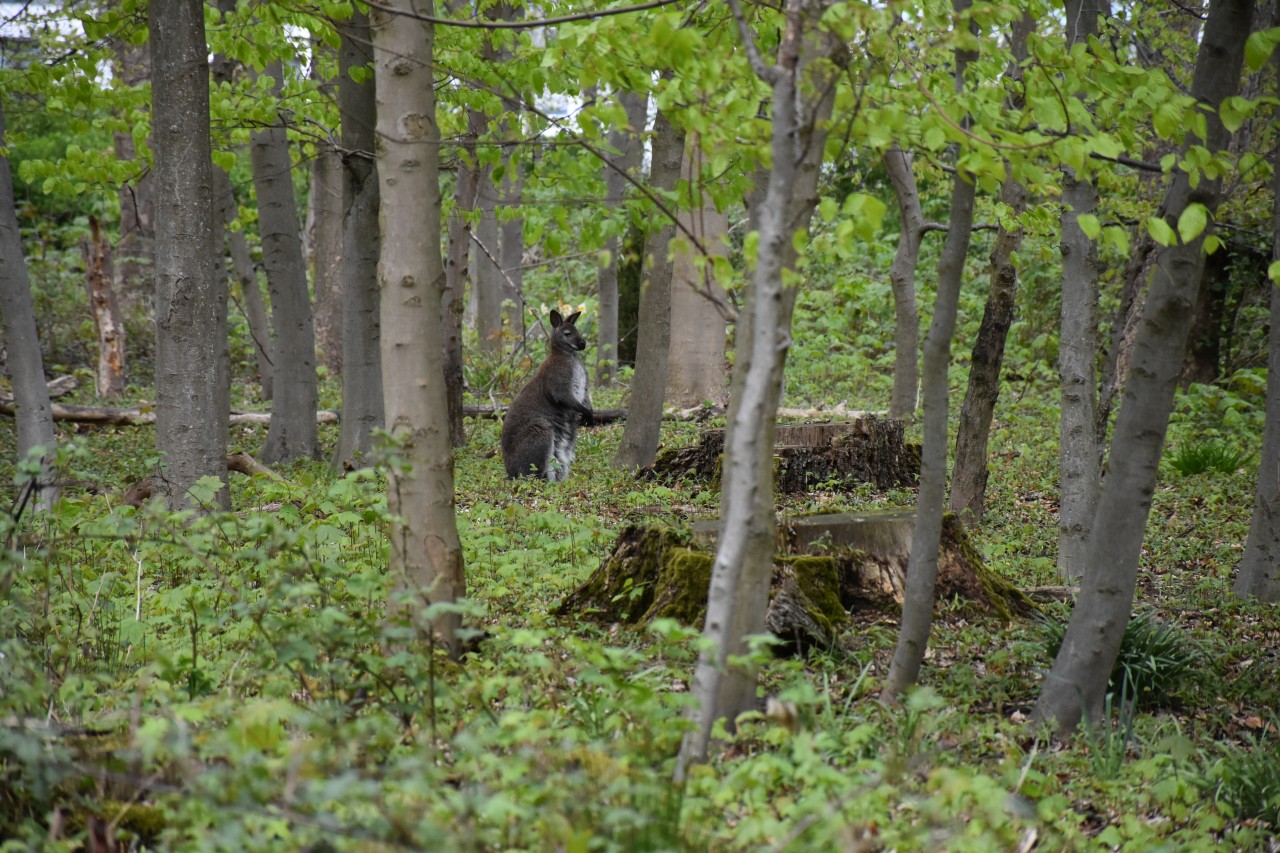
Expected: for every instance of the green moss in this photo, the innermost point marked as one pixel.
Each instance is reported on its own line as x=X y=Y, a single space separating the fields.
x=819 y=580
x=1005 y=598
x=682 y=584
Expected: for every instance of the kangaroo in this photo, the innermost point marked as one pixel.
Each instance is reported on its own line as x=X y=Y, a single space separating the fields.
x=542 y=424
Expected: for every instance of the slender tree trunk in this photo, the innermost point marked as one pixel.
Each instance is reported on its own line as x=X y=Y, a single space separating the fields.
x=902 y=278
x=426 y=555
x=802 y=83
x=292 y=434
x=512 y=243
x=245 y=274
x=26 y=363
x=926 y=535
x=969 y=476
x=1080 y=445
x=325 y=231
x=457 y=263
x=696 y=367
x=1259 y=572
x=1076 y=686
x=100 y=280
x=191 y=426
x=487 y=282
x=362 y=402
x=648 y=387
x=135 y=248
x=626 y=142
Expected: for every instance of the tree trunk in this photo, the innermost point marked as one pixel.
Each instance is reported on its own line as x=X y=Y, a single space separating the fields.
x=1079 y=446
x=969 y=476
x=362 y=403
x=802 y=83
x=326 y=254
x=426 y=555
x=512 y=240
x=245 y=274
x=626 y=142
x=1077 y=684
x=100 y=281
x=486 y=285
x=457 y=262
x=1259 y=572
x=648 y=387
x=696 y=369
x=26 y=363
x=293 y=403
x=135 y=248
x=191 y=426
x=917 y=608
x=902 y=278
x=1203 y=360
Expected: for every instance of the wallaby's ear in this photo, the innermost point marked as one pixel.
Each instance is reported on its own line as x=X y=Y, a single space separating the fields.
x=556 y=319
x=573 y=318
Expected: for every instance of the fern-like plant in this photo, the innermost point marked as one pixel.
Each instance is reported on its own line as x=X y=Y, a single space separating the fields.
x=1155 y=659
x=1192 y=459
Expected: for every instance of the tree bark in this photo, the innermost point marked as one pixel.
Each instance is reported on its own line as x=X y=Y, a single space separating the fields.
x=326 y=254
x=922 y=571
x=191 y=426
x=802 y=83
x=696 y=369
x=648 y=386
x=362 y=402
x=245 y=274
x=902 y=278
x=100 y=281
x=26 y=363
x=1076 y=686
x=1079 y=446
x=293 y=404
x=426 y=555
x=626 y=142
x=135 y=248
x=1259 y=572
x=969 y=475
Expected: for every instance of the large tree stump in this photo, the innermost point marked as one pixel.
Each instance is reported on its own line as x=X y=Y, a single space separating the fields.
x=828 y=568
x=808 y=456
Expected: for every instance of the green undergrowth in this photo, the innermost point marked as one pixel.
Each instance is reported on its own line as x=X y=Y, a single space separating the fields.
x=233 y=682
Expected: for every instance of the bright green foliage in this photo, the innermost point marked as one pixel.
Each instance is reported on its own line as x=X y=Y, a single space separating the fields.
x=1191 y=459
x=1248 y=781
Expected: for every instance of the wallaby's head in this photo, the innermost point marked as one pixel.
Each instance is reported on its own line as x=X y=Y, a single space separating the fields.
x=564 y=335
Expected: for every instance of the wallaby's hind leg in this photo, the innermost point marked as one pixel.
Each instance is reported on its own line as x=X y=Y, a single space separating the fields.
x=530 y=453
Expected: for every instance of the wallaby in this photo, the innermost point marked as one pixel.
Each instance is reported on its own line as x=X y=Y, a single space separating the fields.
x=542 y=424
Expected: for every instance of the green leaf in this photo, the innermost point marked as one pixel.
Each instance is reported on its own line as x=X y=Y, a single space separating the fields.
x=1212 y=243
x=1234 y=111
x=1258 y=47
x=1161 y=232
x=1089 y=225
x=1192 y=221
x=1273 y=272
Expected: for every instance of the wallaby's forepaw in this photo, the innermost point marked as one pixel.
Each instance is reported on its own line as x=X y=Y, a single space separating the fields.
x=588 y=418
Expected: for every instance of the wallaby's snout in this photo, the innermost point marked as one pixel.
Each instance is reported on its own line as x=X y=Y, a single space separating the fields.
x=541 y=427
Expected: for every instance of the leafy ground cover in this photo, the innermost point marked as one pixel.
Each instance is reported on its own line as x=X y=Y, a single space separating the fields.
x=232 y=683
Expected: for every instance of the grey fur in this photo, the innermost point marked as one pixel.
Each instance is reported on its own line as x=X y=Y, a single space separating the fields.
x=541 y=427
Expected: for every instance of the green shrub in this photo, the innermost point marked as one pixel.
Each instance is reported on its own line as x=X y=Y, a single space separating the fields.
x=1155 y=661
x=1248 y=781
x=1191 y=459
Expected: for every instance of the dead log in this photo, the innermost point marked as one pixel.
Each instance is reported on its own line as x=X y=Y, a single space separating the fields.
x=838 y=455
x=827 y=570
x=140 y=492
x=141 y=415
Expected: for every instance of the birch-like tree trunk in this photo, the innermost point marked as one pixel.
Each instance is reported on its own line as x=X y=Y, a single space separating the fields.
x=362 y=403
x=26 y=363
x=292 y=434
x=1076 y=686
x=696 y=367
x=1079 y=446
x=902 y=278
x=969 y=475
x=191 y=422
x=926 y=535
x=426 y=555
x=802 y=80
x=108 y=378
x=648 y=386
x=325 y=233
x=626 y=142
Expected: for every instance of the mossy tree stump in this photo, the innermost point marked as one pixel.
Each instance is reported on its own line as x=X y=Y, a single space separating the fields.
x=828 y=567
x=808 y=456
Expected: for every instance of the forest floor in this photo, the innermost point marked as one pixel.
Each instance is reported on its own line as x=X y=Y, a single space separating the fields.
x=235 y=685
